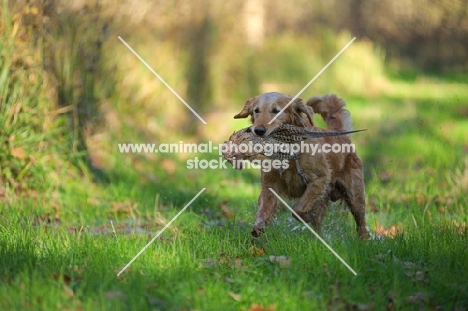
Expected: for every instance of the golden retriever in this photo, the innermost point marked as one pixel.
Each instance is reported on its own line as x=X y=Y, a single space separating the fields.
x=329 y=176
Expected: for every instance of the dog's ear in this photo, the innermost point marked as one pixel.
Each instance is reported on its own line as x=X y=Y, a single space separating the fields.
x=247 y=110
x=299 y=106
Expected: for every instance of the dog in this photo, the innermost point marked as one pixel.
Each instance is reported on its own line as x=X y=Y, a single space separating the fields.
x=329 y=176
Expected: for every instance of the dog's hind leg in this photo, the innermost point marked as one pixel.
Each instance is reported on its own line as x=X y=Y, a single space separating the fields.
x=353 y=191
x=357 y=205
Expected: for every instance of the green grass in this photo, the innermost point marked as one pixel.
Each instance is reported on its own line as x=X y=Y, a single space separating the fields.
x=64 y=237
x=198 y=267
x=63 y=249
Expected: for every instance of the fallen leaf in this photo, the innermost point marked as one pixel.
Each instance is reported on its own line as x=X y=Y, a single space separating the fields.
x=67 y=291
x=419 y=276
x=420 y=199
x=338 y=302
x=228 y=280
x=235 y=296
x=418 y=297
x=389 y=232
x=461 y=228
x=253 y=250
x=92 y=201
x=208 y=263
x=390 y=303
x=282 y=260
x=222 y=258
x=385 y=177
x=327 y=270
x=126 y=207
x=373 y=207
x=46 y=220
x=156 y=302
x=18 y=153
x=409 y=264
x=60 y=277
x=151 y=285
x=403 y=198
x=225 y=209
x=238 y=262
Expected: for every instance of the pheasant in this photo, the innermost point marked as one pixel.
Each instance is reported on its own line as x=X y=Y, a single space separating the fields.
x=281 y=139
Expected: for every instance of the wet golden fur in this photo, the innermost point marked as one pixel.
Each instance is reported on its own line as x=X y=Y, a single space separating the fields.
x=330 y=176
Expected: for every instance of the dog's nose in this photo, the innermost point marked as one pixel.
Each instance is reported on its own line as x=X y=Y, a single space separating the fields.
x=260 y=130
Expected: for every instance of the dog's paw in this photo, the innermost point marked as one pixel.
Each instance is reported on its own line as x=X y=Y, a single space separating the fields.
x=257 y=232
x=363 y=233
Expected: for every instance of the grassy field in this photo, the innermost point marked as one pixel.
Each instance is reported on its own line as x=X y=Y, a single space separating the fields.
x=65 y=233
x=62 y=249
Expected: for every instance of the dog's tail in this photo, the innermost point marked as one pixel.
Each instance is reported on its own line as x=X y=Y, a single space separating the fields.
x=332 y=110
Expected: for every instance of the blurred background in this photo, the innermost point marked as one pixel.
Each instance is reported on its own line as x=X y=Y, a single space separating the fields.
x=70 y=91
x=73 y=209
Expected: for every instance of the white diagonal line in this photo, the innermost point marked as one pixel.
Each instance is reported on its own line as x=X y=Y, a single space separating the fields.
x=159 y=233
x=162 y=80
x=318 y=236
x=313 y=79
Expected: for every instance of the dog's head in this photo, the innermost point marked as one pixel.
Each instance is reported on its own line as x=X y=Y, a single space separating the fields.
x=263 y=108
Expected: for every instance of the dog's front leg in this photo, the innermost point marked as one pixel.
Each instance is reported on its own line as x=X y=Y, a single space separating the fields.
x=266 y=211
x=312 y=205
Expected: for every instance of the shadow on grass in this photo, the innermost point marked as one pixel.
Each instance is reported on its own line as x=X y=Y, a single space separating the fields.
x=426 y=136
x=154 y=187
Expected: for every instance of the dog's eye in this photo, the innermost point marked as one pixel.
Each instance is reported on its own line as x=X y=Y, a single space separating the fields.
x=256 y=110
x=276 y=110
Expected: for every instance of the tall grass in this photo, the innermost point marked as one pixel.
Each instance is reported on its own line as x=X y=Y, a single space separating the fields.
x=25 y=126
x=73 y=41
